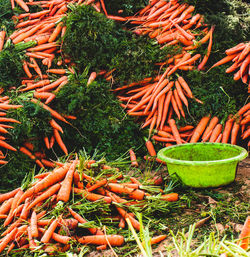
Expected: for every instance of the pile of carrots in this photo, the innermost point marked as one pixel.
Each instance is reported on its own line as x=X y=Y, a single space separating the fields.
x=240 y=56
x=155 y=101
x=46 y=30
x=24 y=213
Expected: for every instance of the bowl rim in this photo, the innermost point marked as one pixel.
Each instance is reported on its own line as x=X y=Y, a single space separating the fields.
x=243 y=154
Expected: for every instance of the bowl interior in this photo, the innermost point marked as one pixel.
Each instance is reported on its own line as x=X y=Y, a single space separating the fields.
x=202 y=152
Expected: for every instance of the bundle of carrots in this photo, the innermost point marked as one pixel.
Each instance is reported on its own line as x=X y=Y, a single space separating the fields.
x=240 y=56
x=25 y=213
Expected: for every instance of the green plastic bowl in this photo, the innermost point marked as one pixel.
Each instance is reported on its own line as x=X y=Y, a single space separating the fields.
x=203 y=164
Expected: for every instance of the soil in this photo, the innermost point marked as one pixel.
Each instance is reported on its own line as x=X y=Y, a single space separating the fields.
x=240 y=187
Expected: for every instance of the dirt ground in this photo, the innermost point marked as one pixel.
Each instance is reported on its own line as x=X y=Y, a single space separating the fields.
x=242 y=182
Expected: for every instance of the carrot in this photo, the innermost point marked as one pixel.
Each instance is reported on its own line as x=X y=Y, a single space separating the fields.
x=245 y=234
x=213 y=122
x=165 y=109
x=133 y=160
x=27 y=34
x=157 y=239
x=209 y=48
x=40 y=83
x=5 y=207
x=81 y=220
x=234 y=133
x=216 y=132
x=244 y=109
x=235 y=49
x=32 y=243
x=185 y=86
x=120 y=189
x=150 y=148
x=53 y=85
x=8 y=195
x=244 y=53
x=57 y=237
x=23 y=5
x=113 y=240
x=55 y=125
x=59 y=141
x=33 y=225
x=175 y=131
x=14 y=205
x=9 y=106
x=2 y=37
x=42 y=47
x=55 y=176
x=246 y=133
x=97 y=184
x=56 y=32
x=227 y=130
x=175 y=107
x=224 y=60
x=57 y=71
x=153 y=122
x=25 y=211
x=8 y=238
x=49 y=232
x=244 y=65
x=45 y=195
x=3 y=216
x=187 y=62
x=64 y=192
x=91 y=196
x=199 y=129
x=52 y=112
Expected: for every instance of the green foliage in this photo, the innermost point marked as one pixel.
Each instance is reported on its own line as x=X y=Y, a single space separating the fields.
x=6 y=14
x=10 y=68
x=129 y=7
x=34 y=119
x=101 y=122
x=95 y=41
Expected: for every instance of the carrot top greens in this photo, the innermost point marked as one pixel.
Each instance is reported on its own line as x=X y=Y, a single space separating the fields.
x=102 y=44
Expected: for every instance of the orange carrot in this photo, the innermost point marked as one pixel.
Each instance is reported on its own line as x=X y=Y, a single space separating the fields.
x=92 y=77
x=199 y=129
x=23 y=5
x=166 y=107
x=227 y=130
x=134 y=162
x=97 y=184
x=234 y=133
x=81 y=220
x=49 y=232
x=55 y=125
x=224 y=60
x=216 y=132
x=57 y=237
x=91 y=196
x=33 y=225
x=244 y=109
x=2 y=37
x=113 y=240
x=57 y=175
x=8 y=238
x=5 y=207
x=120 y=189
x=150 y=147
x=245 y=234
x=57 y=71
x=32 y=243
x=64 y=192
x=209 y=128
x=157 y=239
x=8 y=195
x=14 y=205
x=185 y=86
x=209 y=48
x=175 y=107
x=45 y=195
x=59 y=141
x=56 y=32
x=175 y=131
